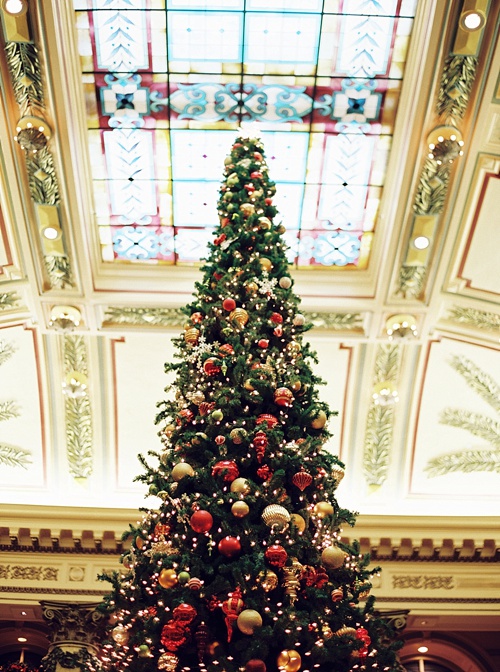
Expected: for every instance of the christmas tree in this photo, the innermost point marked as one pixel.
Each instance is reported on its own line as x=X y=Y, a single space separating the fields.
x=241 y=567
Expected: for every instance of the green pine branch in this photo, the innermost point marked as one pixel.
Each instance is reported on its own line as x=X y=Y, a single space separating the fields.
x=475 y=423
x=478 y=380
x=13 y=456
x=465 y=461
x=8 y=410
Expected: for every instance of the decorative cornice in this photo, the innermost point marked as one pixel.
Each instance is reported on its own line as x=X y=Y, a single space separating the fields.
x=78 y=412
x=176 y=318
x=480 y=319
x=73 y=622
x=380 y=419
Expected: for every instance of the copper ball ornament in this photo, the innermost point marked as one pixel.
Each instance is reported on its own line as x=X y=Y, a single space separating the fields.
x=230 y=547
x=249 y=621
x=289 y=660
x=333 y=557
x=167 y=578
x=240 y=509
x=180 y=470
x=276 y=515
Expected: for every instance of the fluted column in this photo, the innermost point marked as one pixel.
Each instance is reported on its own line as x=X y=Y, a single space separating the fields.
x=75 y=633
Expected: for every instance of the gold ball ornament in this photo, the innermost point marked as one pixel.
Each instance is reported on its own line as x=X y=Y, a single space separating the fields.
x=182 y=469
x=168 y=662
x=333 y=557
x=240 y=485
x=247 y=209
x=240 y=509
x=285 y=282
x=295 y=385
x=197 y=398
x=298 y=522
x=266 y=264
x=120 y=634
x=322 y=509
x=168 y=578
x=276 y=515
x=251 y=287
x=239 y=316
x=237 y=435
x=191 y=335
x=248 y=385
x=249 y=621
x=345 y=630
x=268 y=580
x=338 y=473
x=318 y=421
x=169 y=430
x=294 y=347
x=264 y=223
x=289 y=660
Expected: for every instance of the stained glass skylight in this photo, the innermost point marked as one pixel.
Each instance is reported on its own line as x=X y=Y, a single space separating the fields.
x=168 y=83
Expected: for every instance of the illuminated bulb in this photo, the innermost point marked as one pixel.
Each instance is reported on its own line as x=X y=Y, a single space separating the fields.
x=472 y=20
x=385 y=394
x=401 y=326
x=51 y=233
x=423 y=649
x=75 y=385
x=421 y=242
x=22 y=639
x=15 y=6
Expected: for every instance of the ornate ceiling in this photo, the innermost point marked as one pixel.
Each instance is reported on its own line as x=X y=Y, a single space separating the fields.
x=382 y=128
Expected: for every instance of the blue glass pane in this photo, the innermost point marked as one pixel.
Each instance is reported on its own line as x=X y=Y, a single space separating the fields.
x=195 y=203
x=285 y=5
x=199 y=155
x=282 y=38
x=286 y=155
x=205 y=36
x=121 y=37
x=206 y=5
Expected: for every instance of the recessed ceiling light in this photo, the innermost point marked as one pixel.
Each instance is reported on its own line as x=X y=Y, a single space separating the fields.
x=22 y=639
x=421 y=242
x=15 y=7
x=24 y=613
x=472 y=20
x=51 y=233
x=423 y=649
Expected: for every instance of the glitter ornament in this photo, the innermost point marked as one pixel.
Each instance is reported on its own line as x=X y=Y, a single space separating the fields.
x=275 y=515
x=168 y=662
x=249 y=621
x=197 y=398
x=270 y=420
x=322 y=509
x=276 y=318
x=285 y=282
x=211 y=366
x=240 y=509
x=240 y=485
x=228 y=469
x=333 y=557
x=182 y=469
x=276 y=555
x=196 y=318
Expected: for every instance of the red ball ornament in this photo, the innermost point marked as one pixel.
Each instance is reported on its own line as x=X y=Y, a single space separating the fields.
x=194 y=584
x=229 y=304
x=278 y=331
x=257 y=156
x=276 y=555
x=220 y=440
x=268 y=201
x=211 y=367
x=270 y=420
x=184 y=613
x=237 y=144
x=201 y=521
x=196 y=318
x=264 y=472
x=276 y=318
x=263 y=343
x=249 y=188
x=228 y=469
x=217 y=276
x=256 y=175
x=226 y=349
x=283 y=396
x=255 y=665
x=229 y=547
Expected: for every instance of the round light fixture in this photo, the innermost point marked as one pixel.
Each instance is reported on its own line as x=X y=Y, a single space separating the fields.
x=421 y=242
x=22 y=639
x=51 y=233
x=15 y=7
x=423 y=649
x=65 y=318
x=472 y=20
x=385 y=394
x=75 y=385
x=402 y=325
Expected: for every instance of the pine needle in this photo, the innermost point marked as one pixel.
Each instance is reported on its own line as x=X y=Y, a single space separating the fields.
x=13 y=456
x=466 y=461
x=475 y=423
x=478 y=380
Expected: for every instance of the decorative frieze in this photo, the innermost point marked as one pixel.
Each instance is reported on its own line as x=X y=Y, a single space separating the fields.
x=422 y=582
x=28 y=573
x=480 y=319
